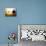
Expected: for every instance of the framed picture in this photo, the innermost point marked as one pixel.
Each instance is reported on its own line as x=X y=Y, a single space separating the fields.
x=31 y=32
x=10 y=11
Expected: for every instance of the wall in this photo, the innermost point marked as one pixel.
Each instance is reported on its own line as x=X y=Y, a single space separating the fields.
x=28 y=12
